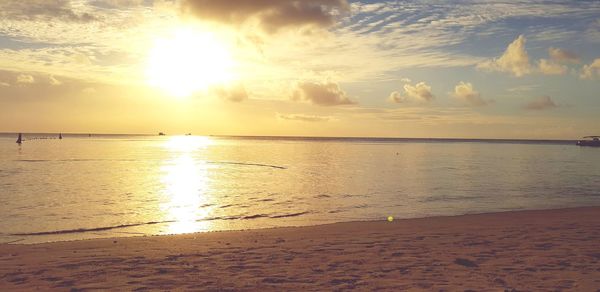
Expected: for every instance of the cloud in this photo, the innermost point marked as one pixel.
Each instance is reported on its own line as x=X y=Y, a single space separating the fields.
x=303 y=117
x=405 y=80
x=25 y=79
x=236 y=93
x=117 y=3
x=397 y=97
x=420 y=92
x=269 y=15
x=42 y=9
x=38 y=86
x=522 y=88
x=324 y=94
x=514 y=60
x=591 y=71
x=540 y=103
x=4 y=84
x=54 y=81
x=563 y=56
x=549 y=67
x=465 y=92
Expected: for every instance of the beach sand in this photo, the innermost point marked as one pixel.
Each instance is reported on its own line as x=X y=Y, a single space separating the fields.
x=515 y=251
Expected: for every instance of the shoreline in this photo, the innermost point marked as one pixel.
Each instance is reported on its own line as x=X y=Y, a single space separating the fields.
x=129 y=225
x=522 y=250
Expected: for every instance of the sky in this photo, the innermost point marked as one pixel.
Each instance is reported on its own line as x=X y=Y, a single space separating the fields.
x=447 y=69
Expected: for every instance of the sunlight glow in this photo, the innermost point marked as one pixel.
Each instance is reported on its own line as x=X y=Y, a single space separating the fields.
x=187 y=143
x=186 y=184
x=189 y=61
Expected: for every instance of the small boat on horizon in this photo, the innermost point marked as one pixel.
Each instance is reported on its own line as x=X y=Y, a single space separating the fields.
x=161 y=134
x=593 y=141
x=20 y=139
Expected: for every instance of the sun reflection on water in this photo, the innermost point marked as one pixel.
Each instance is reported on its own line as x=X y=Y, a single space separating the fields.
x=186 y=185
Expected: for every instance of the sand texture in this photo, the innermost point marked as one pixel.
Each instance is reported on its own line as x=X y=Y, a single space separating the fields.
x=514 y=251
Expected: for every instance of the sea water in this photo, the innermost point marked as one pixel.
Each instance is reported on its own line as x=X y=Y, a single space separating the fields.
x=97 y=186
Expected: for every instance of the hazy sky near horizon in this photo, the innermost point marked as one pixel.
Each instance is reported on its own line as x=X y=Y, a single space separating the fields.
x=473 y=69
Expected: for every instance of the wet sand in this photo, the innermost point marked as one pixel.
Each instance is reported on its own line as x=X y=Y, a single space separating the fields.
x=515 y=251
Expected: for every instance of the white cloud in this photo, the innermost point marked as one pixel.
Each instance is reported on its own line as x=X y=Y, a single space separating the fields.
x=25 y=79
x=303 y=117
x=514 y=60
x=549 y=67
x=4 y=84
x=540 y=103
x=465 y=92
x=419 y=92
x=324 y=94
x=591 y=71
x=54 y=81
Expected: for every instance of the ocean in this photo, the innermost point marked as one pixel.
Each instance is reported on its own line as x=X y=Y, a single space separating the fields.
x=97 y=186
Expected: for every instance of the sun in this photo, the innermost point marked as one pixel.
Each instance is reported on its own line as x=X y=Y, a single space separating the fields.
x=188 y=61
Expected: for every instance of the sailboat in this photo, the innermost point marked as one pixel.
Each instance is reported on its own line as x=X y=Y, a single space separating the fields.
x=20 y=139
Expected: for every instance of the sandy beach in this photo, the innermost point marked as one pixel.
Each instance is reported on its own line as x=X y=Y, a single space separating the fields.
x=546 y=250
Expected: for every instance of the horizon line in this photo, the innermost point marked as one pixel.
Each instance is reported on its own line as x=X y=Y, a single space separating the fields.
x=298 y=137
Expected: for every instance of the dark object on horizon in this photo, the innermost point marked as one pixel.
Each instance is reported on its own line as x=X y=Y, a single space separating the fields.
x=161 y=134
x=20 y=139
x=188 y=134
x=593 y=141
x=59 y=135
x=90 y=135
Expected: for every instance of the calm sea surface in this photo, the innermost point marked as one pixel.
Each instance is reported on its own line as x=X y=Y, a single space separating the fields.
x=104 y=186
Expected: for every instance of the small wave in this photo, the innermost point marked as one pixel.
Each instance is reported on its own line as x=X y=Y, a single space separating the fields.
x=450 y=198
x=95 y=229
x=360 y=206
x=254 y=216
x=289 y=215
x=131 y=160
x=240 y=217
x=247 y=164
x=81 y=230
x=73 y=160
x=266 y=200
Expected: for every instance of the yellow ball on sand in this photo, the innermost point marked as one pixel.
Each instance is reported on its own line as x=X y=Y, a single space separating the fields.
x=390 y=218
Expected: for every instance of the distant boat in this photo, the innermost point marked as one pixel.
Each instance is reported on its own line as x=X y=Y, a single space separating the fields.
x=59 y=135
x=161 y=134
x=188 y=134
x=20 y=139
x=593 y=141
